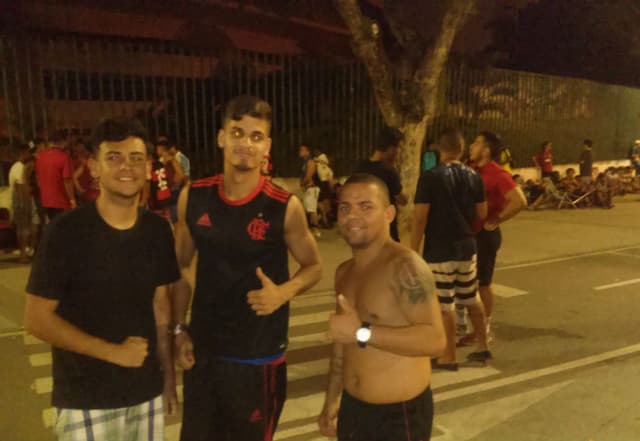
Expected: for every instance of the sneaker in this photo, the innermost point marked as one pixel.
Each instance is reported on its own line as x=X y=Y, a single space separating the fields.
x=480 y=356
x=316 y=233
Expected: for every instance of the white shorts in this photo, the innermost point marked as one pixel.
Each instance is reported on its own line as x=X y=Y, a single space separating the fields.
x=456 y=282
x=142 y=422
x=310 y=199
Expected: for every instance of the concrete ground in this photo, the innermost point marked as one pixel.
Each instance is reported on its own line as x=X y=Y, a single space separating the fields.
x=567 y=347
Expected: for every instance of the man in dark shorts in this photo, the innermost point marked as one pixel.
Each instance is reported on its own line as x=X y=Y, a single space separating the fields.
x=505 y=199
x=381 y=165
x=380 y=374
x=448 y=198
x=98 y=293
x=243 y=227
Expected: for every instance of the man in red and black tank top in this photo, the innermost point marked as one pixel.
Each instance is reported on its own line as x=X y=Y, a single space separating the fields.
x=243 y=227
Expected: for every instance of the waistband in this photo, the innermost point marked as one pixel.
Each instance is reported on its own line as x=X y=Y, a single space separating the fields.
x=381 y=406
x=272 y=360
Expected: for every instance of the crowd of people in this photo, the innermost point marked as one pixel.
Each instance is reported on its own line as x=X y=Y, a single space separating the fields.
x=108 y=291
x=53 y=176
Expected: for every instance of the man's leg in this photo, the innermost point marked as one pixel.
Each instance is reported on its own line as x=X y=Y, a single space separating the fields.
x=253 y=396
x=488 y=245
x=91 y=425
x=200 y=405
x=444 y=274
x=145 y=422
x=466 y=293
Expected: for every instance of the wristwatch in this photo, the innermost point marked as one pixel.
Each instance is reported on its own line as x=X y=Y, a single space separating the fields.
x=363 y=334
x=178 y=329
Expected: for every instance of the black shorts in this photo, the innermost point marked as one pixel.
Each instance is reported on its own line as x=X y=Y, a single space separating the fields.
x=406 y=421
x=230 y=401
x=488 y=245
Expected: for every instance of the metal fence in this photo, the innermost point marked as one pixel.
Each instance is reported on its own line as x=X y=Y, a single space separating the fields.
x=70 y=82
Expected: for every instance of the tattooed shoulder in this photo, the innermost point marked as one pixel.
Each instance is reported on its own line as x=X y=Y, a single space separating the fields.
x=412 y=279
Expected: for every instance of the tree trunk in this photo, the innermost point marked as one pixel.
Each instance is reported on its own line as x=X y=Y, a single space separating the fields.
x=408 y=164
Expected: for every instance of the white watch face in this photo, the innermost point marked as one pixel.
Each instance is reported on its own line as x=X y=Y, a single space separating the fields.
x=363 y=335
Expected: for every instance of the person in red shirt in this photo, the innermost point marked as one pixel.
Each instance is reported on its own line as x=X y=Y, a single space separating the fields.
x=54 y=172
x=544 y=160
x=505 y=199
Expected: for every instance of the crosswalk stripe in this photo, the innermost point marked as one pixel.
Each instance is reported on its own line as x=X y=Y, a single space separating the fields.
x=300 y=371
x=49 y=417
x=507 y=291
x=40 y=359
x=314 y=301
x=308 y=341
x=31 y=340
x=303 y=407
x=308 y=319
x=43 y=385
x=294 y=431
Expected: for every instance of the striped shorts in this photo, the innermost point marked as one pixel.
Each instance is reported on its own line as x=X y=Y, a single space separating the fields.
x=456 y=282
x=142 y=422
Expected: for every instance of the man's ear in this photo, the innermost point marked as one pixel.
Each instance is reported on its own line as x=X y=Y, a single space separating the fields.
x=221 y=138
x=390 y=213
x=92 y=163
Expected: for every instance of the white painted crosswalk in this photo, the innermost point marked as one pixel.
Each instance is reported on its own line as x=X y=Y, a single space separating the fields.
x=299 y=413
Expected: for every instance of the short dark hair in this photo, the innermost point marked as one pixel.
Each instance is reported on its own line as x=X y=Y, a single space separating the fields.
x=165 y=140
x=544 y=144
x=246 y=105
x=117 y=129
x=58 y=136
x=388 y=137
x=450 y=141
x=494 y=142
x=366 y=178
x=588 y=142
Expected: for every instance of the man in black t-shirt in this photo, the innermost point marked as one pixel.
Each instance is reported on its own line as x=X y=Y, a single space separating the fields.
x=98 y=293
x=243 y=227
x=448 y=198
x=381 y=165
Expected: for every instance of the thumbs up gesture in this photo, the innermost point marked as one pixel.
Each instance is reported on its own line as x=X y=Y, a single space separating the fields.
x=345 y=322
x=268 y=299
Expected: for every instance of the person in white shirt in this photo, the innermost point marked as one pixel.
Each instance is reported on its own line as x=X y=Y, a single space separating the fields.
x=21 y=204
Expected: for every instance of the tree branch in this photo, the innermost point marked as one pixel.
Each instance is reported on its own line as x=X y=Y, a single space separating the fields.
x=429 y=72
x=367 y=45
x=405 y=35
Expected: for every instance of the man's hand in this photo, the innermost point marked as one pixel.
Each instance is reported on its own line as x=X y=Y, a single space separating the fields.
x=344 y=324
x=268 y=299
x=130 y=353
x=169 y=398
x=328 y=421
x=183 y=350
x=490 y=225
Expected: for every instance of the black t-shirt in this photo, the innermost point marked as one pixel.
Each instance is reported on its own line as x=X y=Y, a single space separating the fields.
x=452 y=190
x=233 y=238
x=104 y=280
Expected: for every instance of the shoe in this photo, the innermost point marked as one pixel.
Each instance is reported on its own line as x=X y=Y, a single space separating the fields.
x=480 y=356
x=316 y=233
x=467 y=340
x=453 y=367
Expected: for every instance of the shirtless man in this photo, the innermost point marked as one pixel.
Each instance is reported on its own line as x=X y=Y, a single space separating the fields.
x=386 y=327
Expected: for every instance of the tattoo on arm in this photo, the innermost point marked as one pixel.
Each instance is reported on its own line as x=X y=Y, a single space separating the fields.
x=411 y=281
